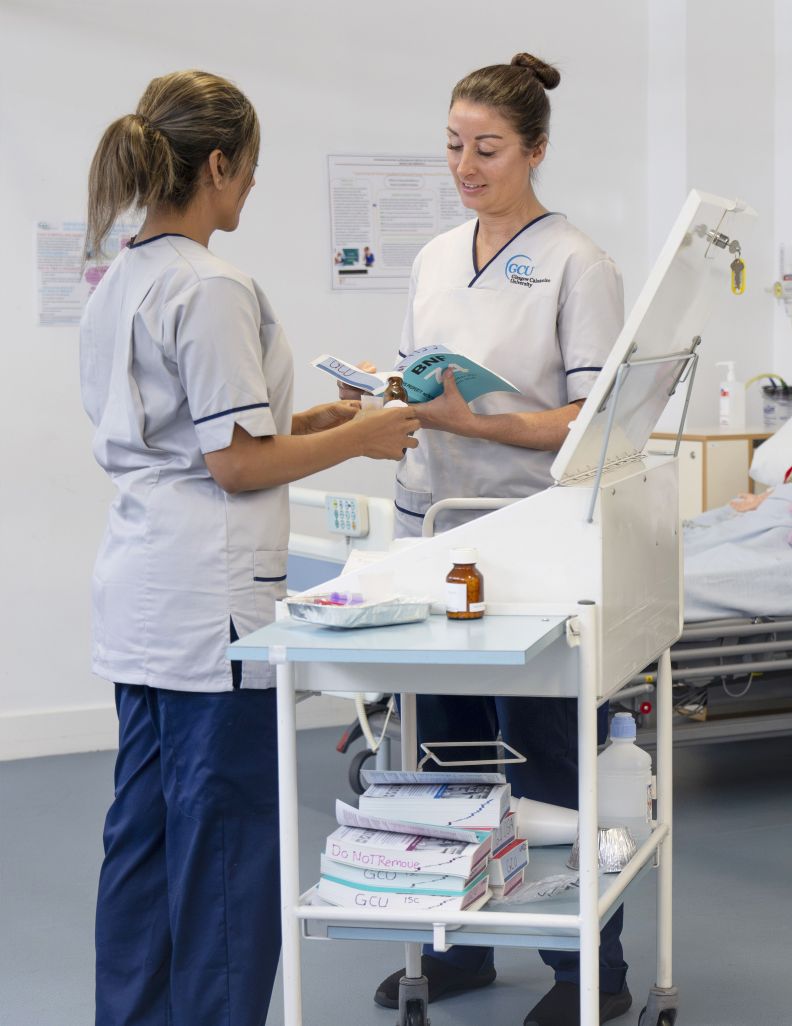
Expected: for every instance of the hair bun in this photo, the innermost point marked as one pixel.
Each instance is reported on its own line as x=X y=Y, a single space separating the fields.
x=546 y=73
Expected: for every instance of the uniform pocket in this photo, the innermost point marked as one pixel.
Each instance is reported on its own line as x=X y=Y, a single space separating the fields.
x=411 y=507
x=269 y=581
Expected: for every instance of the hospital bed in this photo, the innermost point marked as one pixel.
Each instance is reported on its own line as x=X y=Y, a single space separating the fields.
x=732 y=679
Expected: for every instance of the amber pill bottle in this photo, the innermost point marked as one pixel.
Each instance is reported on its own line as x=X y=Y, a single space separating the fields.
x=464 y=587
x=395 y=390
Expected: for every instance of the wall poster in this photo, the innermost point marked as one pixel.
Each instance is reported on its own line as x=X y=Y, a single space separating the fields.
x=63 y=283
x=383 y=209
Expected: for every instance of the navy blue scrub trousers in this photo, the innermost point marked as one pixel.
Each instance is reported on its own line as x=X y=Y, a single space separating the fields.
x=188 y=912
x=544 y=730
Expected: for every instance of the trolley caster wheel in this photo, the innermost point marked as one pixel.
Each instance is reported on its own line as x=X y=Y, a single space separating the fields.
x=416 y=1014
x=665 y=1018
x=359 y=759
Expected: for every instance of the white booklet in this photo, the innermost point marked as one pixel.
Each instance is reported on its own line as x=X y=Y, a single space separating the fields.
x=336 y=892
x=426 y=882
x=348 y=815
x=406 y=853
x=476 y=805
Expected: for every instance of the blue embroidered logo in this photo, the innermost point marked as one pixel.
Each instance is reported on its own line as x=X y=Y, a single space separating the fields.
x=520 y=265
x=520 y=271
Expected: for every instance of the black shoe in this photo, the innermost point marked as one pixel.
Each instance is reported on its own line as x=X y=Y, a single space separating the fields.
x=444 y=979
x=561 y=1006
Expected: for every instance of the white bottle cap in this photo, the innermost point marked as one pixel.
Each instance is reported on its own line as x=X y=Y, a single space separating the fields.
x=396 y=374
x=464 y=555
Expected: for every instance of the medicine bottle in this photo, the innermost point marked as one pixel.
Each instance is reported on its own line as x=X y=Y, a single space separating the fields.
x=395 y=392
x=464 y=587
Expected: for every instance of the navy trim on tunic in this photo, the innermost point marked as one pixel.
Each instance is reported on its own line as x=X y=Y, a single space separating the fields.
x=409 y=512
x=236 y=409
x=479 y=273
x=164 y=235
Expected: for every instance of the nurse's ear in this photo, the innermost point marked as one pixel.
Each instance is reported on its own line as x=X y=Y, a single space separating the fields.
x=218 y=169
x=538 y=152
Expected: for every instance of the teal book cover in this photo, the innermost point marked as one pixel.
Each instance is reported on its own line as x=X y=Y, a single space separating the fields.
x=423 y=375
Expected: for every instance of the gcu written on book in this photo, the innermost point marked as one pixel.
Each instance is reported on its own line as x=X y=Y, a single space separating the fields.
x=337 y=892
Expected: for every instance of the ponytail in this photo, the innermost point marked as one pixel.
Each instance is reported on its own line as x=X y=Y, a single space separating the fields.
x=156 y=155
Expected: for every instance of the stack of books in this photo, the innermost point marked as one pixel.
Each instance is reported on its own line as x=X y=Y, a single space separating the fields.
x=420 y=841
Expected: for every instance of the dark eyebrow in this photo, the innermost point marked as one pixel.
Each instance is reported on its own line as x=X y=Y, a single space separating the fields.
x=490 y=135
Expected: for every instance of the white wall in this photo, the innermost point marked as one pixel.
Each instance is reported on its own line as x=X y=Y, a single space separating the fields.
x=329 y=79
x=782 y=323
x=730 y=146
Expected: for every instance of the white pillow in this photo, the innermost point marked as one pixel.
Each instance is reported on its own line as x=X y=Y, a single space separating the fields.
x=773 y=458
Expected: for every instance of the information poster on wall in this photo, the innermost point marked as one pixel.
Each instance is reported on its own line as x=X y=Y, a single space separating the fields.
x=63 y=282
x=382 y=211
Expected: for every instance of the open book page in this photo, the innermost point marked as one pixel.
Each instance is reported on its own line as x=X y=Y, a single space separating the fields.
x=347 y=815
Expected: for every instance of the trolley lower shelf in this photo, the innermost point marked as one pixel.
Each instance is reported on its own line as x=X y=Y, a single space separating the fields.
x=544 y=863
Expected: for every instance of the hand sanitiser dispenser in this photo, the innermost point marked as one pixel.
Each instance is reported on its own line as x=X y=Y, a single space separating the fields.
x=732 y=399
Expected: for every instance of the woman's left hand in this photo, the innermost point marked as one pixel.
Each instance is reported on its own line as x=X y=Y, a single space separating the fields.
x=747 y=501
x=449 y=411
x=324 y=416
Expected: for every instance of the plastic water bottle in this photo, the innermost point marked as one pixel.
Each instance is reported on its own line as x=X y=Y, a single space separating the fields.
x=624 y=781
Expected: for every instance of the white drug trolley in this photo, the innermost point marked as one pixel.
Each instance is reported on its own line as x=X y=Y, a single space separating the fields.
x=583 y=591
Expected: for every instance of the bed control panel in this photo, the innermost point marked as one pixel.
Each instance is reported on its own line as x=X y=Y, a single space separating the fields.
x=347 y=514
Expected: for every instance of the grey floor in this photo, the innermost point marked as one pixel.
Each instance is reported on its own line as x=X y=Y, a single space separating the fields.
x=732 y=897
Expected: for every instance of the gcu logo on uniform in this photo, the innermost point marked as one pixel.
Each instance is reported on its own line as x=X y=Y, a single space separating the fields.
x=520 y=265
x=520 y=269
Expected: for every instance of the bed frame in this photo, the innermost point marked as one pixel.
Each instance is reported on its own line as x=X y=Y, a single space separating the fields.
x=732 y=679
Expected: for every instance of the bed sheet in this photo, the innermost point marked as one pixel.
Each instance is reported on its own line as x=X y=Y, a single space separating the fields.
x=740 y=564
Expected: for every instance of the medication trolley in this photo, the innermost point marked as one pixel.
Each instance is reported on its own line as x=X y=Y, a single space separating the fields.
x=584 y=584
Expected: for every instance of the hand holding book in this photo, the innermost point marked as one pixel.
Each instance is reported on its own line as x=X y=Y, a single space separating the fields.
x=423 y=373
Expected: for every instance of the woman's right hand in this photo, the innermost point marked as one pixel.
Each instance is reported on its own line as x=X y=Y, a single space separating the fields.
x=387 y=434
x=347 y=392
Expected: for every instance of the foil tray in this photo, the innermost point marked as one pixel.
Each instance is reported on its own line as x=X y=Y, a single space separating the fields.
x=615 y=848
x=385 y=613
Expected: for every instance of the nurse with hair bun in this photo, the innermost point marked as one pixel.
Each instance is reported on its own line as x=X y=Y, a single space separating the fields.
x=524 y=292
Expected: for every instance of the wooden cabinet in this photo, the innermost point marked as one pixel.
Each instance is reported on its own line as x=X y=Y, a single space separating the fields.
x=713 y=466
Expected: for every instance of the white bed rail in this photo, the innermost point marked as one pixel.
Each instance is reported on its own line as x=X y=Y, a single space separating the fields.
x=337 y=547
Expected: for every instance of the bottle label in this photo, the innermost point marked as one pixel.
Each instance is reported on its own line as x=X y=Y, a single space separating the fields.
x=476 y=607
x=456 y=598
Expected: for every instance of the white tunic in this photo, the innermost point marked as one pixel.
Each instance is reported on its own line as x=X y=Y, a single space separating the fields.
x=544 y=313
x=176 y=347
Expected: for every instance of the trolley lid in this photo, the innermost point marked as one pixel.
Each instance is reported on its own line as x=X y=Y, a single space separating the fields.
x=691 y=275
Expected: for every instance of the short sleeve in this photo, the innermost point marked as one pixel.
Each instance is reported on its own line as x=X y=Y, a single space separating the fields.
x=215 y=331
x=407 y=344
x=589 y=322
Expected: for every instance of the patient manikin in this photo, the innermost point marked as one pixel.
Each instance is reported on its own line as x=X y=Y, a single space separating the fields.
x=738 y=558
